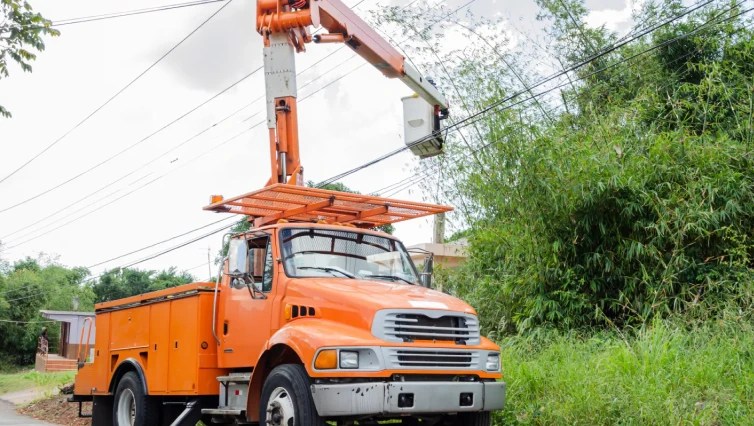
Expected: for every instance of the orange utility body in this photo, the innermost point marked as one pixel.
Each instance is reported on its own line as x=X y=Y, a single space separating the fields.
x=314 y=315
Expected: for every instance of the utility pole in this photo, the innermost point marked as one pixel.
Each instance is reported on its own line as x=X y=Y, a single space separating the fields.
x=438 y=236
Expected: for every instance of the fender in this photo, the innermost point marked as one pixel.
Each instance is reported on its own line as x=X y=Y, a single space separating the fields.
x=128 y=364
x=296 y=342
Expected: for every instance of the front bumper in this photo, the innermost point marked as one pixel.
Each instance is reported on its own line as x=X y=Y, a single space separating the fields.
x=407 y=397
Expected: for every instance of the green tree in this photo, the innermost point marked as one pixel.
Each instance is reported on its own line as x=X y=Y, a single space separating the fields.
x=21 y=32
x=630 y=202
x=29 y=286
x=121 y=283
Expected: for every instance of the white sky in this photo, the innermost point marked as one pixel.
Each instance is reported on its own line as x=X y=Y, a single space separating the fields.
x=342 y=126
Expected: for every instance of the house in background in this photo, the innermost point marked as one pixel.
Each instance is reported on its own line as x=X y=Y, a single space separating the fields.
x=448 y=255
x=63 y=358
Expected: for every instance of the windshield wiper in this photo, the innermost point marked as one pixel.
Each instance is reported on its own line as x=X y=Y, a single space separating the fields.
x=394 y=277
x=328 y=269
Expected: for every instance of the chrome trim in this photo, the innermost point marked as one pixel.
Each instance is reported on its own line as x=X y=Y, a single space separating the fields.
x=382 y=398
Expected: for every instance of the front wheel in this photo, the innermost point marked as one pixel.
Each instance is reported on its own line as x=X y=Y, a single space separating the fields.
x=286 y=398
x=131 y=406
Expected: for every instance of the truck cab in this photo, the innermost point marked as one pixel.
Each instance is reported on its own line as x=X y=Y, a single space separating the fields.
x=309 y=322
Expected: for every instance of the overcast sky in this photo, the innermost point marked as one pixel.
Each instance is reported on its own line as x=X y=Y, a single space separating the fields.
x=342 y=126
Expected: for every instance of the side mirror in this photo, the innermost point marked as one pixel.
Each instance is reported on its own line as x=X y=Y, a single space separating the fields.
x=425 y=278
x=238 y=258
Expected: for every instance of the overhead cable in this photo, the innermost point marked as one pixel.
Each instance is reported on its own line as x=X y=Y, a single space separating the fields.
x=111 y=98
x=93 y=18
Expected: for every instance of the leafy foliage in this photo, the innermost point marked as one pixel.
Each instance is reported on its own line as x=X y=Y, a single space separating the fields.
x=31 y=285
x=120 y=283
x=21 y=32
x=624 y=198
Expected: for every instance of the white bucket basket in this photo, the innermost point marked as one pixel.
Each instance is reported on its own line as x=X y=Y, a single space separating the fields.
x=421 y=129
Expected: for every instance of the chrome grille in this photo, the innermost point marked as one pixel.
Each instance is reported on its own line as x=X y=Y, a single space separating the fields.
x=410 y=358
x=426 y=325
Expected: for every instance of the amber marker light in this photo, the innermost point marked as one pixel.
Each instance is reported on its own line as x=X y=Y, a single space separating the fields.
x=215 y=199
x=326 y=360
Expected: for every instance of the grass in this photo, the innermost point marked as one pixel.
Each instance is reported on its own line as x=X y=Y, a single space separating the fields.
x=12 y=382
x=663 y=375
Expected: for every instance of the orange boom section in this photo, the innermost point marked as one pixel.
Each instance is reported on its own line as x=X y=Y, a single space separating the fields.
x=166 y=334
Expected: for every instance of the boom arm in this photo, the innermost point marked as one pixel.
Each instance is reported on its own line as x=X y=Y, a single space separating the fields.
x=284 y=24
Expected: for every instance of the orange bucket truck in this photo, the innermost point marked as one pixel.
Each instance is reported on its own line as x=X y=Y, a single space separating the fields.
x=315 y=317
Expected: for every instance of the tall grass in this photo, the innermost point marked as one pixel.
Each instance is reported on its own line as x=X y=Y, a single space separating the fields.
x=664 y=374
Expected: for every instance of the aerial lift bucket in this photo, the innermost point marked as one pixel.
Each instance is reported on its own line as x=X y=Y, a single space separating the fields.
x=422 y=132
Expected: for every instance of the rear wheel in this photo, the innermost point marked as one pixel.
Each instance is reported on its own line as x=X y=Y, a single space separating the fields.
x=131 y=406
x=286 y=398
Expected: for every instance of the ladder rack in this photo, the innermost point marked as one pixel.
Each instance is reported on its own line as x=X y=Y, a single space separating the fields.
x=302 y=204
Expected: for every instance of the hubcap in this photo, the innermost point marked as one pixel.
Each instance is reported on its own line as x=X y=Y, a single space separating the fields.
x=280 y=410
x=126 y=408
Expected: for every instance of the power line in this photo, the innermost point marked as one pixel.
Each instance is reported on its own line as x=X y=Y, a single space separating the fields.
x=112 y=15
x=158 y=131
x=130 y=147
x=494 y=105
x=480 y=148
x=111 y=98
x=455 y=126
x=128 y=193
x=191 y=138
x=422 y=174
x=158 y=243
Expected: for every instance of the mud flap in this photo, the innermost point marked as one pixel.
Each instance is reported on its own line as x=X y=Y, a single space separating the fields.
x=102 y=411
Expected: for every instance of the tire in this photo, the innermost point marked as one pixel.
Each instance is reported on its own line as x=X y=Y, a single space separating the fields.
x=481 y=418
x=286 y=398
x=131 y=407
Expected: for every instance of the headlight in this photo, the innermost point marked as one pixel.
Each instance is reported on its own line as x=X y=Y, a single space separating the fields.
x=493 y=362
x=349 y=359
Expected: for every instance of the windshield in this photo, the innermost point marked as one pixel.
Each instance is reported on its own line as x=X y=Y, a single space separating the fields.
x=311 y=252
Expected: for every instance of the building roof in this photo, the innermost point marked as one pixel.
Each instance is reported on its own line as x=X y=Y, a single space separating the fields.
x=57 y=315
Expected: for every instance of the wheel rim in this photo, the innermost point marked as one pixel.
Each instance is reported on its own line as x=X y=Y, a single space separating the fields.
x=280 y=409
x=126 y=408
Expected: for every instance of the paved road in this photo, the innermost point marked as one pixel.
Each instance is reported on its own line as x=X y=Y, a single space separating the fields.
x=9 y=416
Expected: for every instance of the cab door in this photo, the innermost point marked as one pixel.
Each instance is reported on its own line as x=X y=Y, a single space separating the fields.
x=245 y=308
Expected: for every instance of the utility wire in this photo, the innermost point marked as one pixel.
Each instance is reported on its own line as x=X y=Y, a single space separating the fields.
x=485 y=110
x=191 y=138
x=111 y=98
x=93 y=18
x=494 y=105
x=168 y=151
x=428 y=172
x=477 y=149
x=128 y=148
x=335 y=178
x=159 y=242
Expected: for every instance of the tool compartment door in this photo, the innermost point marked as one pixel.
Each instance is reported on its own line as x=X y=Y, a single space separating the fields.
x=183 y=346
x=159 y=348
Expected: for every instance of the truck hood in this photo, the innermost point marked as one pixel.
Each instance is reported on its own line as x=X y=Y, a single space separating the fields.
x=356 y=301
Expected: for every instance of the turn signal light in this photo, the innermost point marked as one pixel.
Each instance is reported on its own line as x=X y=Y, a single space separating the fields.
x=326 y=360
x=215 y=199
